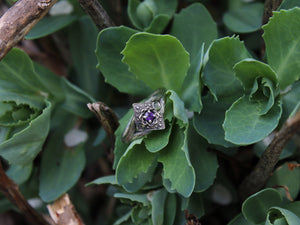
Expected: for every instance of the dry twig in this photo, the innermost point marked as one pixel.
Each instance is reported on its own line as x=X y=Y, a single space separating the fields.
x=270 y=6
x=262 y=171
x=19 y=20
x=11 y=190
x=98 y=14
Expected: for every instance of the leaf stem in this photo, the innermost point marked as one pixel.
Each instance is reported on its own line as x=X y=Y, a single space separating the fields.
x=98 y=14
x=262 y=171
x=19 y=20
x=11 y=190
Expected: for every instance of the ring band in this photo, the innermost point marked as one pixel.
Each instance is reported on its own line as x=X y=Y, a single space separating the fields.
x=147 y=116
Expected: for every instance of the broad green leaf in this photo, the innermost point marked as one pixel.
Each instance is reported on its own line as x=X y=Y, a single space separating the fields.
x=157 y=140
x=239 y=220
x=277 y=213
x=286 y=177
x=244 y=123
x=82 y=38
x=19 y=173
x=24 y=145
x=245 y=19
x=135 y=163
x=110 y=43
x=140 y=214
x=288 y=4
x=124 y=218
x=196 y=21
x=181 y=177
x=140 y=198
x=282 y=38
x=205 y=163
x=61 y=166
x=158 y=60
x=151 y=15
x=158 y=200
x=209 y=122
x=178 y=108
x=104 y=180
x=170 y=209
x=294 y=207
x=49 y=25
x=291 y=102
x=218 y=74
x=255 y=208
x=120 y=146
x=23 y=74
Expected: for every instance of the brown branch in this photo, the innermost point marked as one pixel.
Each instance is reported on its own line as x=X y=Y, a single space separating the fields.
x=98 y=14
x=11 y=190
x=63 y=212
x=270 y=6
x=19 y=20
x=262 y=171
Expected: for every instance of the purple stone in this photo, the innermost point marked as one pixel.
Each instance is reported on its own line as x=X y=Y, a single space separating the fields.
x=149 y=116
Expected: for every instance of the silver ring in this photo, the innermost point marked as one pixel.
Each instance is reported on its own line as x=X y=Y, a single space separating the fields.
x=147 y=116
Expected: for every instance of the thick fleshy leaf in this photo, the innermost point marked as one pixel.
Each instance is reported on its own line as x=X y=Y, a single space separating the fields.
x=287 y=217
x=245 y=19
x=139 y=198
x=288 y=4
x=294 y=207
x=244 y=123
x=291 y=102
x=159 y=60
x=110 y=43
x=158 y=139
x=123 y=218
x=181 y=178
x=178 y=108
x=255 y=208
x=286 y=177
x=19 y=173
x=134 y=165
x=239 y=220
x=282 y=38
x=151 y=15
x=61 y=166
x=104 y=180
x=82 y=38
x=205 y=163
x=209 y=122
x=49 y=25
x=25 y=144
x=170 y=209
x=218 y=74
x=158 y=200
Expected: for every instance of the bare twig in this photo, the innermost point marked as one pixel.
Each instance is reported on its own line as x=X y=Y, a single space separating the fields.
x=11 y=190
x=270 y=6
x=98 y=14
x=19 y=20
x=262 y=171
x=63 y=212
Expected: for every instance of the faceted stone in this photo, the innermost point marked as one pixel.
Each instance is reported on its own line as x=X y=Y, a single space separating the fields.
x=149 y=116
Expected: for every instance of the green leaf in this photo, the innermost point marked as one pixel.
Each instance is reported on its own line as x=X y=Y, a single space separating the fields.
x=124 y=218
x=209 y=122
x=239 y=220
x=276 y=213
x=288 y=4
x=170 y=209
x=110 y=43
x=151 y=15
x=294 y=207
x=19 y=173
x=82 y=38
x=286 y=177
x=25 y=144
x=282 y=38
x=205 y=163
x=255 y=208
x=182 y=177
x=140 y=198
x=218 y=74
x=61 y=166
x=135 y=163
x=244 y=123
x=158 y=60
x=178 y=108
x=104 y=180
x=49 y=25
x=291 y=102
x=157 y=140
x=245 y=19
x=195 y=205
x=158 y=206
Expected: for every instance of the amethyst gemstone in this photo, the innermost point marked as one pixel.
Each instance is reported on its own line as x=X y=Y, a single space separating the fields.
x=149 y=116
